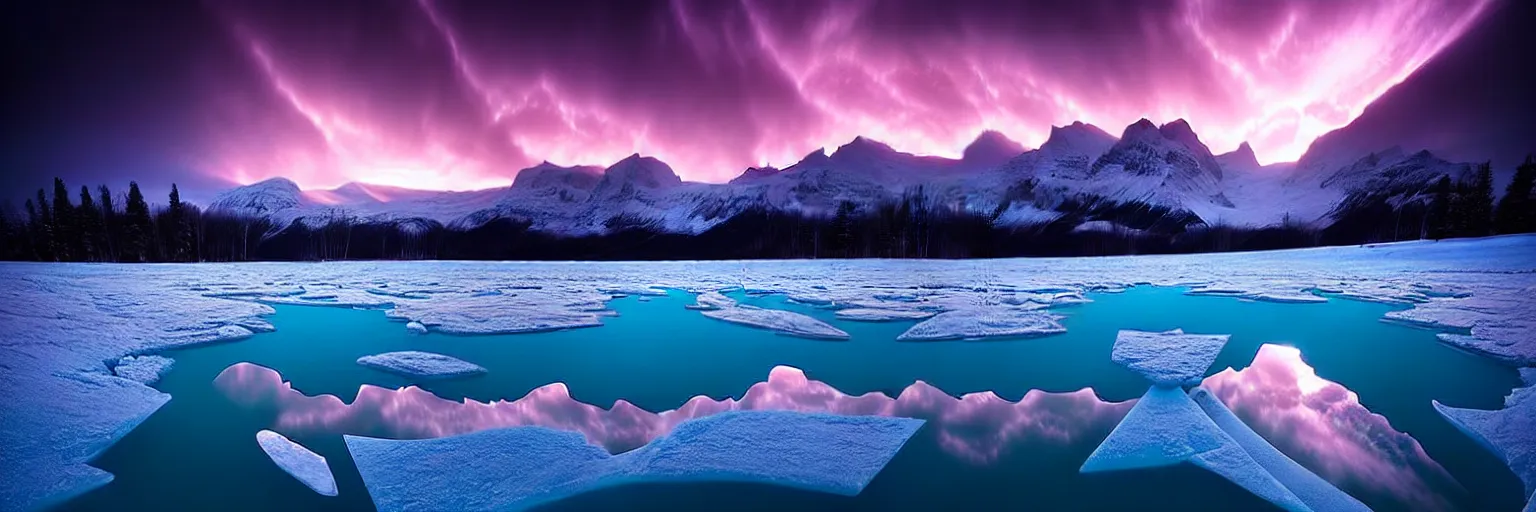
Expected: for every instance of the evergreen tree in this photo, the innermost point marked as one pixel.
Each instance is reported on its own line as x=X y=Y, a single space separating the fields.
x=1480 y=202
x=136 y=226
x=178 y=231
x=1440 y=222
x=109 y=230
x=1517 y=210
x=842 y=229
x=65 y=238
x=90 y=227
x=44 y=237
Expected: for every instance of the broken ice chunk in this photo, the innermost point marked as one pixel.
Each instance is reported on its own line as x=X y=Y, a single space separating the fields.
x=145 y=370
x=1170 y=358
x=308 y=467
x=984 y=323
x=421 y=365
x=783 y=322
x=522 y=467
x=1313 y=490
x=1166 y=427
x=710 y=301
x=1509 y=433
x=416 y=327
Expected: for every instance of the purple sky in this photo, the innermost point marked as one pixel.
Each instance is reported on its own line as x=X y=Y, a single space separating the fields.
x=459 y=95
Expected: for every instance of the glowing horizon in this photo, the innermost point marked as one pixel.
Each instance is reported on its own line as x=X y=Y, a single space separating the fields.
x=458 y=96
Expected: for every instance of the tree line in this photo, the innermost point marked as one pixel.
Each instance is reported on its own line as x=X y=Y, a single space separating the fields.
x=93 y=228
x=1466 y=208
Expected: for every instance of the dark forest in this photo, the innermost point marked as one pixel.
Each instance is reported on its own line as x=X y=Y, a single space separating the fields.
x=96 y=226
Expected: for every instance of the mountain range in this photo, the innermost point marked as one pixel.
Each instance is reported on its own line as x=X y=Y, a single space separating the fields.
x=1165 y=173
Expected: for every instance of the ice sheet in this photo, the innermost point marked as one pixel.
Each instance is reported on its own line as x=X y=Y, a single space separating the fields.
x=1166 y=427
x=145 y=370
x=1317 y=493
x=1509 y=433
x=522 y=467
x=64 y=322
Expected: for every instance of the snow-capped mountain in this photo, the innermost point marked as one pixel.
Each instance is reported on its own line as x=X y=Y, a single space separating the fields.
x=1150 y=175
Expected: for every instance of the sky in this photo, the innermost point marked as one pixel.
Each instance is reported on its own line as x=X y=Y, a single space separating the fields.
x=459 y=95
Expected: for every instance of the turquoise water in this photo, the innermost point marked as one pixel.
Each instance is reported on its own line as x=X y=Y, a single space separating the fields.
x=199 y=452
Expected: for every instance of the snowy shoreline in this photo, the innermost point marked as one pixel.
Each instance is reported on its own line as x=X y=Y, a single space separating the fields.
x=66 y=324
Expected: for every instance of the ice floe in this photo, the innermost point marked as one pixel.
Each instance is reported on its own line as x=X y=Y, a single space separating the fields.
x=712 y=300
x=416 y=327
x=65 y=322
x=1170 y=358
x=976 y=427
x=421 y=365
x=1509 y=433
x=145 y=370
x=499 y=313
x=1166 y=428
x=523 y=467
x=777 y=320
x=979 y=323
x=1311 y=489
x=306 y=466
x=882 y=315
x=1323 y=426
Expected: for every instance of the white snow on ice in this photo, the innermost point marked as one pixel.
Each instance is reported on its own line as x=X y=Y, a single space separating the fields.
x=881 y=315
x=421 y=365
x=968 y=324
x=1312 y=489
x=522 y=467
x=145 y=370
x=306 y=466
x=784 y=322
x=1166 y=427
x=1509 y=433
x=1170 y=358
x=64 y=323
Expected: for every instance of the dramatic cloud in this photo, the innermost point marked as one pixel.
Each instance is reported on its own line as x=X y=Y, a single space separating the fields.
x=451 y=94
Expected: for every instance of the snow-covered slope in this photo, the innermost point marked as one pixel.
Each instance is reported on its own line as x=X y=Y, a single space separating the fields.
x=1150 y=176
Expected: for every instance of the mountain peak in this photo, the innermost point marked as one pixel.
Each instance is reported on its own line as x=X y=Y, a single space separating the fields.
x=1078 y=138
x=862 y=145
x=1142 y=126
x=273 y=183
x=264 y=196
x=990 y=148
x=1240 y=158
x=755 y=173
x=1178 y=129
x=642 y=171
x=547 y=174
x=815 y=158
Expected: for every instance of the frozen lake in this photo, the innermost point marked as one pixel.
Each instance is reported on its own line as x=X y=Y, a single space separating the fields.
x=657 y=354
x=1338 y=356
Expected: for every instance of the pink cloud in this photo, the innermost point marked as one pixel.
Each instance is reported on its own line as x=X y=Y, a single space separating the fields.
x=457 y=95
